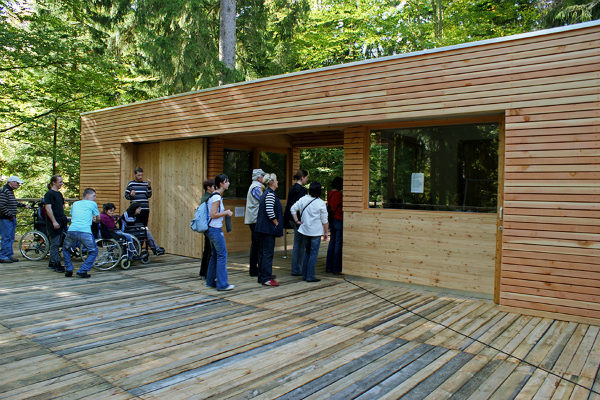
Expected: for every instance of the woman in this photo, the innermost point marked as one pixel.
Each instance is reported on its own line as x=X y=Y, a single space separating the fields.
x=216 y=274
x=296 y=192
x=269 y=225
x=108 y=229
x=311 y=225
x=334 y=251
x=128 y=220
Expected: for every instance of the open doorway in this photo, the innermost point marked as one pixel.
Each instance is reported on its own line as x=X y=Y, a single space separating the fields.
x=323 y=164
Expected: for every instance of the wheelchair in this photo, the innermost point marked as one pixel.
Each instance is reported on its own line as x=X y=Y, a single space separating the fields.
x=34 y=244
x=115 y=250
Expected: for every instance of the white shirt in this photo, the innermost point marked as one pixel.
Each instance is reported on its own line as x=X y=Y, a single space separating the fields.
x=216 y=222
x=314 y=215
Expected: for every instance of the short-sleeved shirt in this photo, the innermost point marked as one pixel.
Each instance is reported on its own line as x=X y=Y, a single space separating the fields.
x=217 y=222
x=57 y=203
x=82 y=215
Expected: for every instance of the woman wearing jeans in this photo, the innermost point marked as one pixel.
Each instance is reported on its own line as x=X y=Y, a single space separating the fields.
x=334 y=251
x=311 y=225
x=216 y=275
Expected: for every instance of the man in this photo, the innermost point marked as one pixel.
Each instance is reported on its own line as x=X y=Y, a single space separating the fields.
x=56 y=220
x=140 y=191
x=8 y=218
x=252 y=201
x=83 y=213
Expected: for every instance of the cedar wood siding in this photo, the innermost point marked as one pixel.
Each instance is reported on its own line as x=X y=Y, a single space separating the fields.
x=544 y=86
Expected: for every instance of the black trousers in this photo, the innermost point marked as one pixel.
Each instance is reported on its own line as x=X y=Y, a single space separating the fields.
x=205 y=256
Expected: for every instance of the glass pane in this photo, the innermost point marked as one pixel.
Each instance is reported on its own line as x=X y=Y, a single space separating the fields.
x=452 y=168
x=276 y=163
x=237 y=165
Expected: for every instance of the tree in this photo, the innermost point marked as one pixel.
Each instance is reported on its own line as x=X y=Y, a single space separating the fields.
x=564 y=12
x=51 y=71
x=227 y=38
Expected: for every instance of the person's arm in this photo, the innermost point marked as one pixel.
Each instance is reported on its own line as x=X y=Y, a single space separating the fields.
x=324 y=220
x=214 y=210
x=257 y=192
x=50 y=215
x=294 y=211
x=128 y=191
x=270 y=208
x=149 y=192
x=4 y=203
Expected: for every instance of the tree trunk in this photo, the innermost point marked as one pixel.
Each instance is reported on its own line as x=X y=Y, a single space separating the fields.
x=227 y=37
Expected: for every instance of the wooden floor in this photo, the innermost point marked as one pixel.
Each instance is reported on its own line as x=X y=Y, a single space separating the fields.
x=157 y=332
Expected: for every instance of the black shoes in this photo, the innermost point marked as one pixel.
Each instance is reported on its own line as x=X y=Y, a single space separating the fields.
x=83 y=275
x=14 y=259
x=159 y=251
x=69 y=274
x=313 y=280
x=6 y=261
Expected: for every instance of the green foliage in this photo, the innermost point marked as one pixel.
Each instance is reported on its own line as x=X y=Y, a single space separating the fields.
x=59 y=58
x=322 y=165
x=565 y=12
x=51 y=72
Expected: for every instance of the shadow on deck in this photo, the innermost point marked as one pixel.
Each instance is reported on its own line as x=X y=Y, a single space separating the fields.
x=158 y=332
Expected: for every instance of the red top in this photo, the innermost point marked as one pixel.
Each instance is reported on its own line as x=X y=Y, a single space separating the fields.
x=334 y=201
x=107 y=221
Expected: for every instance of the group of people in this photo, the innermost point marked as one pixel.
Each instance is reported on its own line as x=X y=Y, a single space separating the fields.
x=83 y=214
x=305 y=212
x=309 y=216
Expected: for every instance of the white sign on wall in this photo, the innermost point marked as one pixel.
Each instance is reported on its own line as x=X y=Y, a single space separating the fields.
x=417 y=182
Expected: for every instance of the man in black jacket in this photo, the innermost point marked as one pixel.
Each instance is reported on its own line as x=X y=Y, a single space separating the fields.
x=8 y=218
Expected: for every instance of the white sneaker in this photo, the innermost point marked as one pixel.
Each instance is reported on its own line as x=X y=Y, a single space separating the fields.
x=230 y=287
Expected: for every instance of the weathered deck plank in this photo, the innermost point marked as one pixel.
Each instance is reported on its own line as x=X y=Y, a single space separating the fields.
x=157 y=332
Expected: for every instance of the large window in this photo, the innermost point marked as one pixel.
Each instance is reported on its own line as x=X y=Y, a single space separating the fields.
x=237 y=165
x=450 y=168
x=276 y=163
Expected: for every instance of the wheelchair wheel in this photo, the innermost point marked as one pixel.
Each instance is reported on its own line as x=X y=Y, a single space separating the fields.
x=145 y=257
x=34 y=245
x=109 y=254
x=138 y=246
x=125 y=263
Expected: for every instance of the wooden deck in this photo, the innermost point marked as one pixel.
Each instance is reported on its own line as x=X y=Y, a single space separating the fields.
x=157 y=332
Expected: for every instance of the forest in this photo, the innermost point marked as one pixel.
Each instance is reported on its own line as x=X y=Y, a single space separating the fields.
x=60 y=58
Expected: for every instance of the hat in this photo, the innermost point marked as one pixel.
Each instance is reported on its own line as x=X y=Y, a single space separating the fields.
x=14 y=179
x=257 y=173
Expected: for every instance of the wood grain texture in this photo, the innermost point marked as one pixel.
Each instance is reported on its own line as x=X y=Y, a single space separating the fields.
x=545 y=87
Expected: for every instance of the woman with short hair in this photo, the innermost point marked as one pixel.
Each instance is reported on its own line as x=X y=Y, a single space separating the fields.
x=311 y=225
x=269 y=225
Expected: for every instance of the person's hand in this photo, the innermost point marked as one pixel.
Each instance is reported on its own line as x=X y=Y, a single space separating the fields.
x=275 y=222
x=56 y=225
x=149 y=182
x=228 y=212
x=325 y=236
x=298 y=222
x=28 y=207
x=132 y=193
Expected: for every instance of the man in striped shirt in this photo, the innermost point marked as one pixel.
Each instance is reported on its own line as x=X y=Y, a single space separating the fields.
x=140 y=191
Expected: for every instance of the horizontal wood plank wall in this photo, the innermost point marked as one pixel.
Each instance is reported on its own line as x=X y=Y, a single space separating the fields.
x=450 y=250
x=552 y=77
x=551 y=240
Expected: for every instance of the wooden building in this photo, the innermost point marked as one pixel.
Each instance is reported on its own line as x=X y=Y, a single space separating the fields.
x=530 y=236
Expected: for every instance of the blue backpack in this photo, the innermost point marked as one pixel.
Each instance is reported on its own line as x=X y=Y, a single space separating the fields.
x=201 y=217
